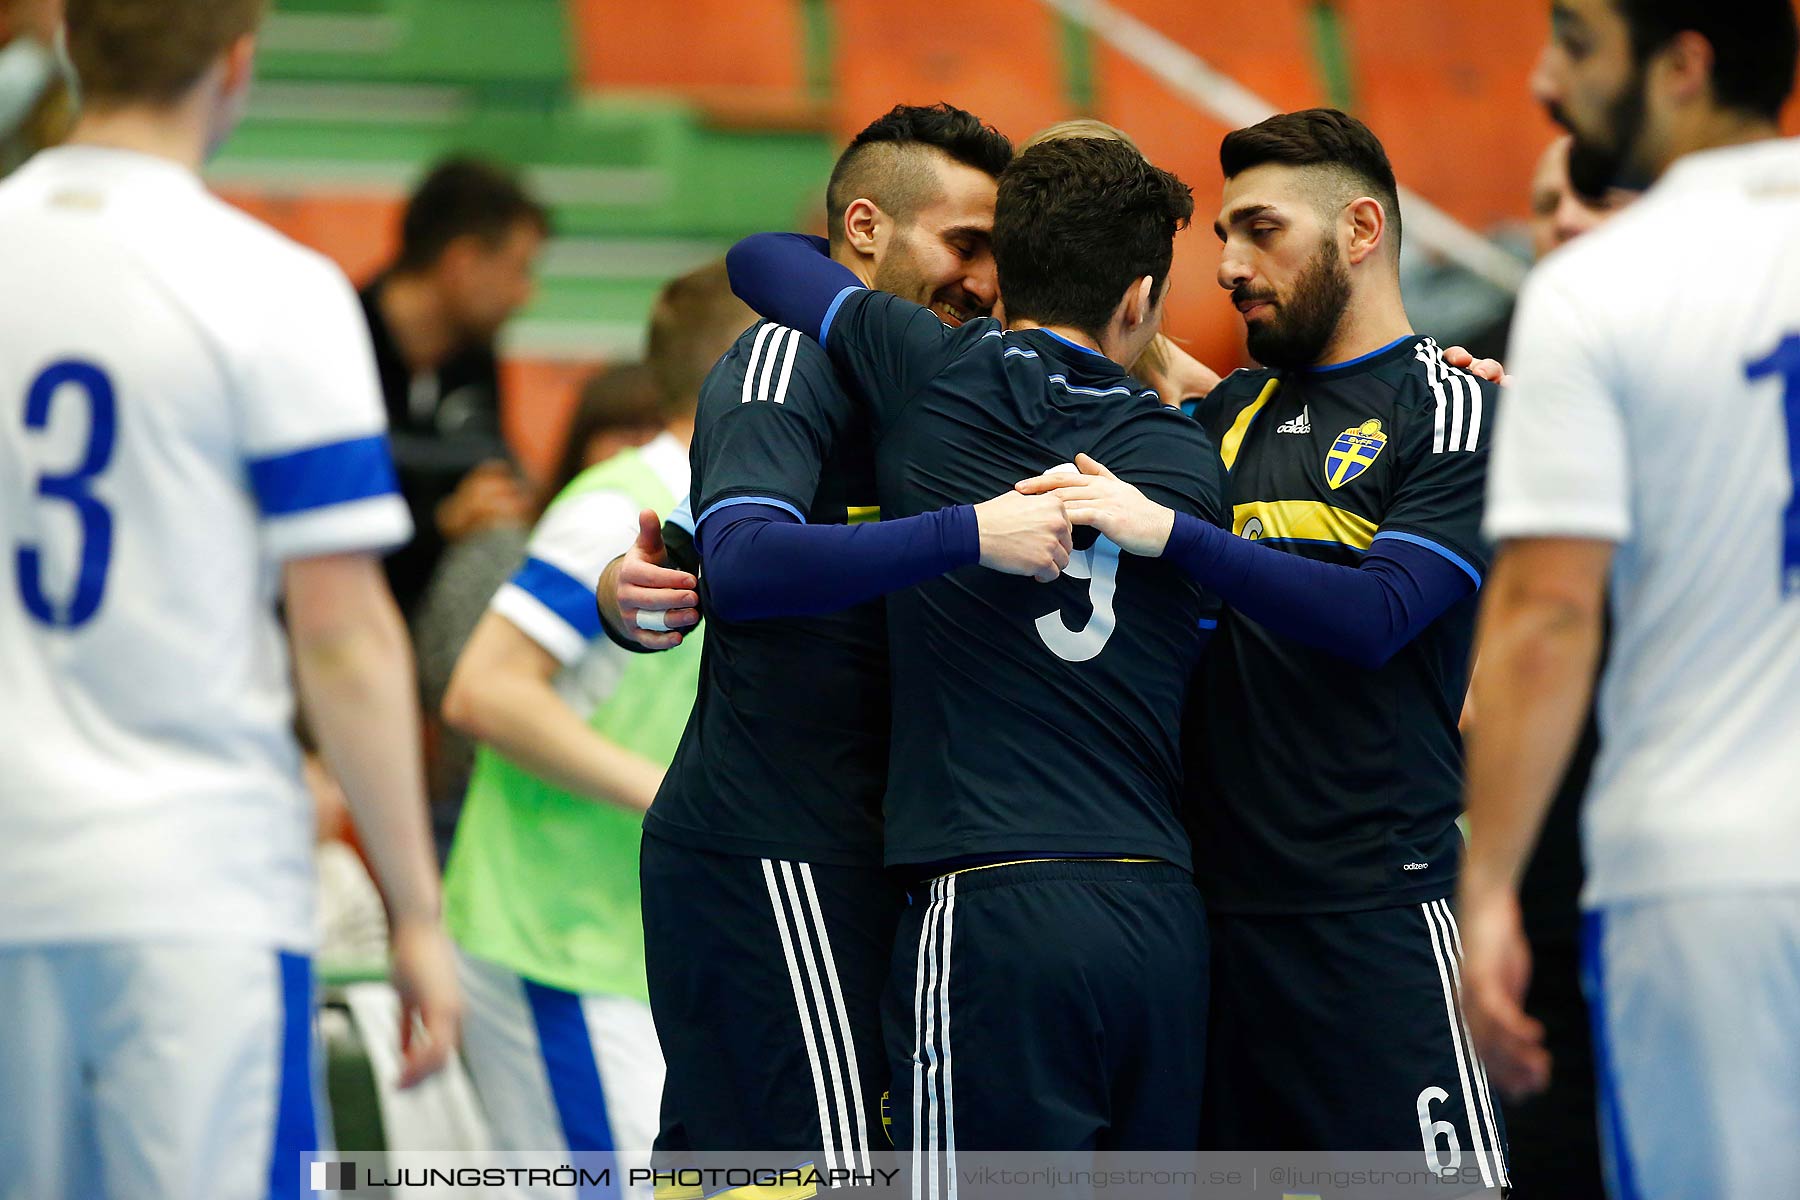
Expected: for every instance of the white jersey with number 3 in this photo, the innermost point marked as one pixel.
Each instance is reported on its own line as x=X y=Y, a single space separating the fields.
x=1658 y=406
x=186 y=400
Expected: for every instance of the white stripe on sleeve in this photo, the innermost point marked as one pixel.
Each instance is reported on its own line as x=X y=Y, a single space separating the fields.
x=1474 y=439
x=1424 y=355
x=756 y=349
x=1456 y=420
x=787 y=367
x=776 y=344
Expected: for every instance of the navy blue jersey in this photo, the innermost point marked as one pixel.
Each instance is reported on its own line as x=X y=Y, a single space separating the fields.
x=1315 y=784
x=1030 y=719
x=785 y=755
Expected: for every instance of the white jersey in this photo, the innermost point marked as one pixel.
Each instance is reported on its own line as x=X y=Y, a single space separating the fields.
x=1658 y=406
x=186 y=400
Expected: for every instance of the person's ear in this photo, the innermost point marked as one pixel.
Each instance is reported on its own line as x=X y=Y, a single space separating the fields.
x=240 y=64
x=863 y=221
x=1683 y=69
x=1365 y=226
x=1140 y=302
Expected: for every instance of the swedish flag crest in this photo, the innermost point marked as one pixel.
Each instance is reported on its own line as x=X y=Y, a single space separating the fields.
x=1354 y=452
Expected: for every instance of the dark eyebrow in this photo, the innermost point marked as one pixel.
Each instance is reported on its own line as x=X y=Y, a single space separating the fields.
x=1238 y=216
x=985 y=233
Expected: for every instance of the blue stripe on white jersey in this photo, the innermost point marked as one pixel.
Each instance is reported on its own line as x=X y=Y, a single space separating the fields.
x=562 y=594
x=317 y=476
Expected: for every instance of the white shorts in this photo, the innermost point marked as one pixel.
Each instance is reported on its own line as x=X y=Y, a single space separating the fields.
x=561 y=1071
x=163 y=1070
x=1696 y=1009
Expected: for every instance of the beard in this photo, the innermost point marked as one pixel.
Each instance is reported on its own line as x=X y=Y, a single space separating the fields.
x=1298 y=334
x=1607 y=158
x=898 y=272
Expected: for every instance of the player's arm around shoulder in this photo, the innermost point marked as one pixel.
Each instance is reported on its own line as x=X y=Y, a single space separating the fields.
x=353 y=665
x=888 y=348
x=502 y=691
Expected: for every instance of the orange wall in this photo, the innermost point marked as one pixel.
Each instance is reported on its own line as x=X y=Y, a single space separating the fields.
x=691 y=45
x=1276 y=62
x=1450 y=97
x=360 y=233
x=1002 y=61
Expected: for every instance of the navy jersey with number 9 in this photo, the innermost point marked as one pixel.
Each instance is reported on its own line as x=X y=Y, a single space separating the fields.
x=1030 y=719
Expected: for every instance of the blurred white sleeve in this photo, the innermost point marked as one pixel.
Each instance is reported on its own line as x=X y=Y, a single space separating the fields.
x=551 y=597
x=312 y=427
x=1561 y=464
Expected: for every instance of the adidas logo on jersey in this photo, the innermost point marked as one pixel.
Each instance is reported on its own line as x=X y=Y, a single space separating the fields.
x=1300 y=424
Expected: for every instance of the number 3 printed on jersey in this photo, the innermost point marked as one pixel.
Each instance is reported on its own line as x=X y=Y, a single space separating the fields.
x=71 y=487
x=1099 y=565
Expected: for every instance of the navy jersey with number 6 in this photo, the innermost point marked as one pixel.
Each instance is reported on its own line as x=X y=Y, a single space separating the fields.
x=1030 y=719
x=785 y=755
x=1318 y=785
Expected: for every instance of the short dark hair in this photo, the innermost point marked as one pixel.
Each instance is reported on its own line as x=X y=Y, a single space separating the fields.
x=1076 y=222
x=692 y=324
x=1324 y=138
x=151 y=51
x=463 y=196
x=619 y=397
x=1755 y=45
x=882 y=162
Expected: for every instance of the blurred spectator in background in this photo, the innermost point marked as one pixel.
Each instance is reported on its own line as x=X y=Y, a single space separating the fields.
x=616 y=411
x=541 y=892
x=1558 y=212
x=468 y=242
x=36 y=108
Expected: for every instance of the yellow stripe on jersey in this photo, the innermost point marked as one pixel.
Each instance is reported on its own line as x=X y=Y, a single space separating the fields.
x=770 y=1191
x=1234 y=437
x=856 y=514
x=667 y=1186
x=1304 y=520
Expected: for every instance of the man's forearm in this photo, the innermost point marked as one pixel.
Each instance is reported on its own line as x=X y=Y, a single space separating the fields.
x=1365 y=614
x=524 y=719
x=1538 y=658
x=761 y=563
x=356 y=685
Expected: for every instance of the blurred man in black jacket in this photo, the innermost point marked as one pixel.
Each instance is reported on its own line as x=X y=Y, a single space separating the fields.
x=468 y=243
